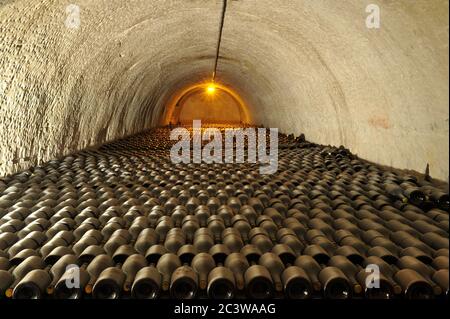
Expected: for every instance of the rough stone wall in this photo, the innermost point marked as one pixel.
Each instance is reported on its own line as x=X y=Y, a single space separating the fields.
x=307 y=66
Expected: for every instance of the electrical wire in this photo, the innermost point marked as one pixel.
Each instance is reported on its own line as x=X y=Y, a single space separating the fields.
x=219 y=41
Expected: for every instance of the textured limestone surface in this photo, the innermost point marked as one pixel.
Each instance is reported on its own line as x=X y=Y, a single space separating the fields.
x=307 y=66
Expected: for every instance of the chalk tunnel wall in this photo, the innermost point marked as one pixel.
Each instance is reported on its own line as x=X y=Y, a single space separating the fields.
x=302 y=66
x=210 y=102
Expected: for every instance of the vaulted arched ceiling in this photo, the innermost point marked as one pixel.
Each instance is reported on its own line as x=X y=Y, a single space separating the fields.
x=302 y=66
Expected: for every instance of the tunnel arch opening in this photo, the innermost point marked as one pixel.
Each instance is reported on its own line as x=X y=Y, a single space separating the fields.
x=220 y=105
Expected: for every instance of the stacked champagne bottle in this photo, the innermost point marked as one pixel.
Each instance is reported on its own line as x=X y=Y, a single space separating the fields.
x=123 y=221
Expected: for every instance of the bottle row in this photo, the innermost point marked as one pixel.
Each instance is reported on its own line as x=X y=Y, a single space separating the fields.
x=221 y=274
x=135 y=224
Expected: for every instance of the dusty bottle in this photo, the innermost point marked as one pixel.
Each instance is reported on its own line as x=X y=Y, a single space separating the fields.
x=166 y=266
x=111 y=280
x=226 y=213
x=58 y=270
x=203 y=239
x=221 y=283
x=95 y=268
x=19 y=272
x=312 y=269
x=130 y=267
x=414 y=194
x=119 y=238
x=268 y=225
x=75 y=279
x=438 y=197
x=163 y=225
x=383 y=289
x=147 y=283
x=296 y=283
x=241 y=223
x=386 y=270
x=258 y=281
x=384 y=254
x=414 y=285
x=216 y=226
x=441 y=278
x=395 y=192
x=137 y=226
x=232 y=239
x=33 y=285
x=175 y=238
x=178 y=214
x=318 y=253
x=409 y=262
x=202 y=213
x=275 y=266
x=260 y=238
x=351 y=254
x=238 y=264
x=146 y=238
x=349 y=269
x=203 y=263
x=213 y=203
x=184 y=281
x=287 y=236
x=335 y=283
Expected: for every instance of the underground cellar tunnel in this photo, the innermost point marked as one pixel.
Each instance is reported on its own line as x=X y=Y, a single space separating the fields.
x=92 y=204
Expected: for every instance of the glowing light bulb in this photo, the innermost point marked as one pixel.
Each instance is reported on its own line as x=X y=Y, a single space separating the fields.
x=211 y=89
